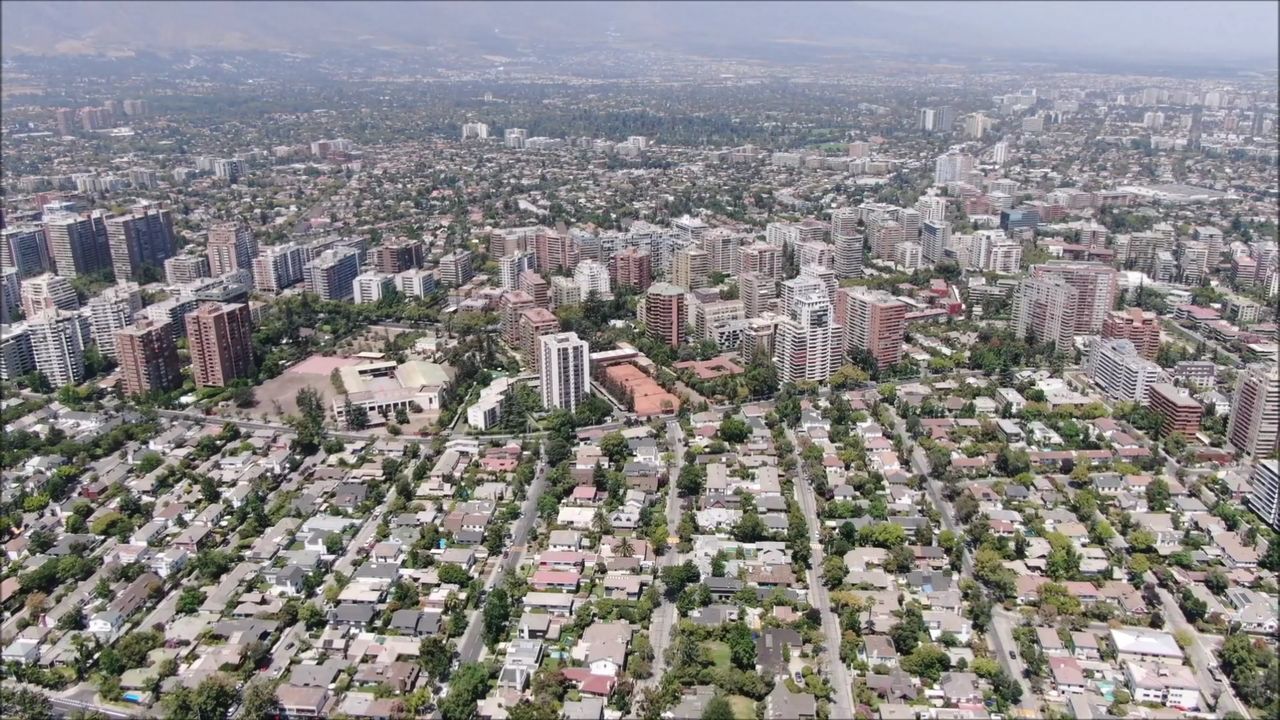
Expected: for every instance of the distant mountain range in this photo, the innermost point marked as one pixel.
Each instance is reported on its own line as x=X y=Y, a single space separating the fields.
x=737 y=29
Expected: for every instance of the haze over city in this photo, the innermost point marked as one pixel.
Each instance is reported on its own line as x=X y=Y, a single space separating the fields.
x=642 y=360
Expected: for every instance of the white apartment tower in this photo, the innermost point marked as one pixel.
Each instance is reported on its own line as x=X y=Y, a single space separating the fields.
x=565 y=370
x=58 y=340
x=370 y=287
x=591 y=277
x=807 y=346
x=510 y=267
x=848 y=243
x=112 y=311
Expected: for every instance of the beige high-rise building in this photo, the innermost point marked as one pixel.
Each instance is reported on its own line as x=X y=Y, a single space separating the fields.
x=231 y=247
x=143 y=238
x=690 y=267
x=77 y=245
x=48 y=292
x=665 y=313
x=58 y=341
x=757 y=293
x=848 y=240
x=761 y=258
x=1255 y=412
x=721 y=246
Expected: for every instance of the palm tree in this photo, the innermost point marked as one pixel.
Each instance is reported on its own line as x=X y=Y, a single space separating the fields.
x=624 y=548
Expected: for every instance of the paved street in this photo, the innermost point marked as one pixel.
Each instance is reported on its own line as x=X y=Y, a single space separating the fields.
x=471 y=644
x=1000 y=634
x=1200 y=655
x=664 y=616
x=820 y=598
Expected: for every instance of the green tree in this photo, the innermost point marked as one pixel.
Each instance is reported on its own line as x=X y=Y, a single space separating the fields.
x=259 y=701
x=497 y=616
x=309 y=422
x=742 y=648
x=927 y=661
x=435 y=658
x=1158 y=495
x=190 y=601
x=614 y=446
x=733 y=429
x=452 y=574
x=718 y=708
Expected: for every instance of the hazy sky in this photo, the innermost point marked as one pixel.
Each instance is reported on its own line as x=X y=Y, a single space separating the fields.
x=1138 y=32
x=1230 y=29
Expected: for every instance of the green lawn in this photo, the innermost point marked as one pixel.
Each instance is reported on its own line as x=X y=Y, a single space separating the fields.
x=744 y=708
x=719 y=653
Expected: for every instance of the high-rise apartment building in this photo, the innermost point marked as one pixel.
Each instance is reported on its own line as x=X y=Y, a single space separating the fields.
x=1180 y=412
x=761 y=258
x=16 y=356
x=510 y=306
x=1095 y=284
x=811 y=252
x=536 y=286
x=1138 y=326
x=952 y=167
x=398 y=256
x=1265 y=496
x=885 y=236
x=143 y=238
x=183 y=269
x=997 y=252
x=331 y=274
x=935 y=238
x=510 y=267
x=77 y=245
x=48 y=292
x=665 y=313
x=1044 y=309
x=555 y=252
x=1121 y=372
x=565 y=371
x=368 y=288
x=416 y=283
x=533 y=324
x=690 y=229
x=1255 y=412
x=24 y=248
x=932 y=208
x=706 y=315
x=10 y=294
x=632 y=268
x=231 y=247
x=807 y=345
x=874 y=322
x=848 y=240
x=757 y=293
x=278 y=267
x=58 y=341
x=690 y=267
x=148 y=358
x=111 y=311
x=1212 y=238
x=220 y=338
x=456 y=268
x=721 y=246
x=592 y=277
